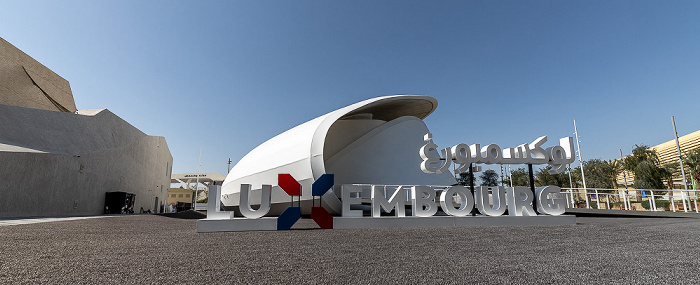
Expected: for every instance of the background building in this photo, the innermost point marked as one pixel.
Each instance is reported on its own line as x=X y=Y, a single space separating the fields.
x=58 y=160
x=668 y=153
x=181 y=198
x=188 y=183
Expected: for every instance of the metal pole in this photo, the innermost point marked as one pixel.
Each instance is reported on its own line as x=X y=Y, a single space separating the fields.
x=229 y=165
x=532 y=186
x=502 y=181
x=471 y=184
x=672 y=202
x=628 y=206
x=571 y=183
x=580 y=161
x=695 y=194
x=680 y=159
x=510 y=174
x=196 y=186
x=454 y=172
x=571 y=186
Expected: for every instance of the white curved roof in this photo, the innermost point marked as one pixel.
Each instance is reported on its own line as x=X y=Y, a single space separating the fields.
x=306 y=141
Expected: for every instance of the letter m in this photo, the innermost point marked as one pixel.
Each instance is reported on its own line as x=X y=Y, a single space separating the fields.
x=397 y=201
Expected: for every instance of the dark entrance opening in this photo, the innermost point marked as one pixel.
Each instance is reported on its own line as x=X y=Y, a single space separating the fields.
x=119 y=203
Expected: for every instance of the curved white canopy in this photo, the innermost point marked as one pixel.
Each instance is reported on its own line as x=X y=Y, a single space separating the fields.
x=300 y=150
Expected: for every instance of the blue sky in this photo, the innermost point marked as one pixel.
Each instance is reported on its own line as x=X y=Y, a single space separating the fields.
x=227 y=75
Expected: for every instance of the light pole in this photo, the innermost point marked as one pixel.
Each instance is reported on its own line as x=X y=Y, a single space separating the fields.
x=502 y=178
x=196 y=186
x=628 y=206
x=580 y=161
x=571 y=186
x=680 y=158
x=510 y=174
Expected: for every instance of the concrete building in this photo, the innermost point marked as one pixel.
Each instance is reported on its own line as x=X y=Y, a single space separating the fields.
x=60 y=161
x=191 y=181
x=180 y=195
x=668 y=153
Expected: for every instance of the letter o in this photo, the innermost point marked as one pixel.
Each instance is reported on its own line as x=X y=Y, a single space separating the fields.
x=464 y=208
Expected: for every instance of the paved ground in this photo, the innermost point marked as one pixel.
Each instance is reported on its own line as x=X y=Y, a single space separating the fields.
x=155 y=249
x=24 y=221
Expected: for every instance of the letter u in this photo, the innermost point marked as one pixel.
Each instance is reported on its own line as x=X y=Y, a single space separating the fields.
x=244 y=205
x=482 y=200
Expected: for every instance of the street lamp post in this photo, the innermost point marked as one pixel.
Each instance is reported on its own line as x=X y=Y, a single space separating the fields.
x=628 y=206
x=580 y=161
x=680 y=159
x=196 y=186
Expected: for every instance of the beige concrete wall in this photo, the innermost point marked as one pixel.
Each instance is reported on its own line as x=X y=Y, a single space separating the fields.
x=60 y=132
x=62 y=164
x=27 y=83
x=186 y=196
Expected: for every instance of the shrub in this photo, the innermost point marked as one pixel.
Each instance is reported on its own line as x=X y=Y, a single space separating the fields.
x=617 y=205
x=659 y=204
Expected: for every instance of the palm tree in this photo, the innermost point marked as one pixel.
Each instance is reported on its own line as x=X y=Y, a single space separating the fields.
x=644 y=164
x=614 y=168
x=669 y=170
x=609 y=170
x=692 y=161
x=489 y=178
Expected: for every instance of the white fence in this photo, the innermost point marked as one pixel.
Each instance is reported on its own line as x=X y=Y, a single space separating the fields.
x=678 y=199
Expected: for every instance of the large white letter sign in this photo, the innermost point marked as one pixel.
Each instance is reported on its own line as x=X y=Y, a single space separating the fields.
x=423 y=201
x=519 y=199
x=465 y=197
x=539 y=156
x=429 y=159
x=481 y=194
x=557 y=156
x=397 y=201
x=347 y=191
x=244 y=205
x=551 y=206
x=491 y=154
x=462 y=155
x=561 y=155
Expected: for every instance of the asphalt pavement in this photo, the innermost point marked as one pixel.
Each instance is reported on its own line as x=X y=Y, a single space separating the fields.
x=143 y=249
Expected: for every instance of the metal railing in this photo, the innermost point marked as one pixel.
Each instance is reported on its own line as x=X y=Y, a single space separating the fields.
x=678 y=199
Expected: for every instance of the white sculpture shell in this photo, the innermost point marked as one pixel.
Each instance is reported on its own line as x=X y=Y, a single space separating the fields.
x=375 y=141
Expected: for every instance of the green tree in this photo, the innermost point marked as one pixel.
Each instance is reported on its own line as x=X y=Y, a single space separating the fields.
x=519 y=176
x=648 y=176
x=544 y=178
x=692 y=162
x=669 y=170
x=614 y=168
x=602 y=173
x=489 y=178
x=644 y=163
x=597 y=173
x=576 y=180
x=463 y=179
